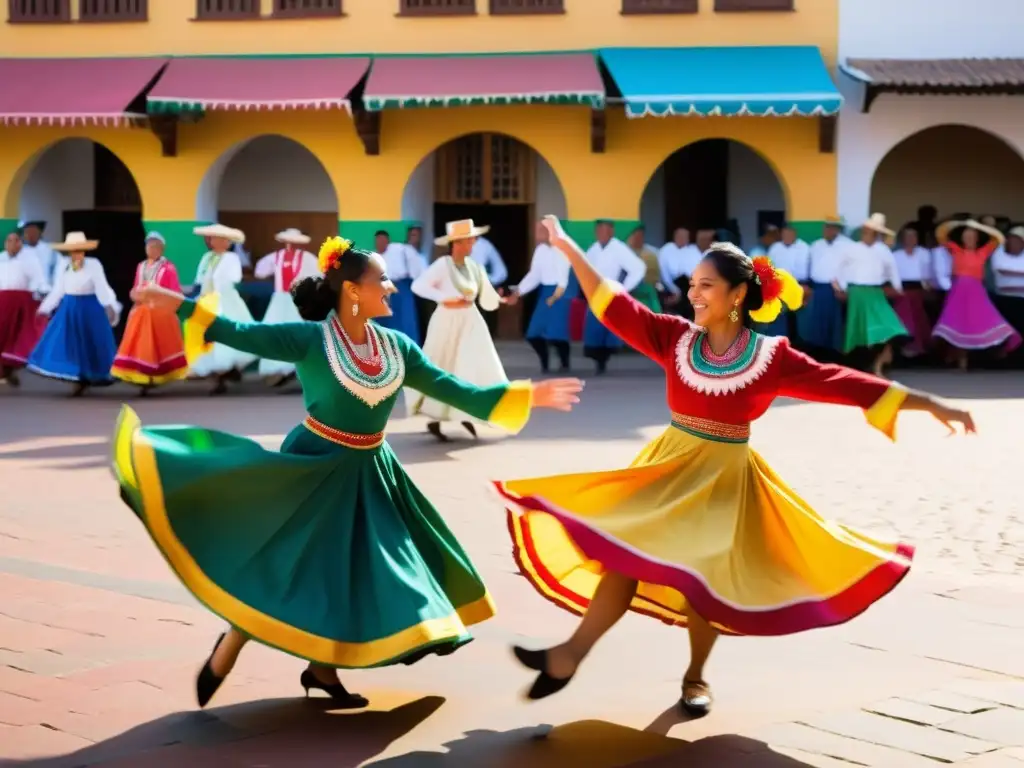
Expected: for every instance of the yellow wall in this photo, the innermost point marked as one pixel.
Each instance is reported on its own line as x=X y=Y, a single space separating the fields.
x=370 y=188
x=372 y=26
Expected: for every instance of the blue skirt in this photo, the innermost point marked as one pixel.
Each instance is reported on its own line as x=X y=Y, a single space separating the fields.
x=820 y=322
x=596 y=335
x=78 y=343
x=404 y=316
x=549 y=322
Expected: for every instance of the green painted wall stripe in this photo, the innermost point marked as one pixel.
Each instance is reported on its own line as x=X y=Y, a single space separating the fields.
x=184 y=249
x=6 y=227
x=362 y=232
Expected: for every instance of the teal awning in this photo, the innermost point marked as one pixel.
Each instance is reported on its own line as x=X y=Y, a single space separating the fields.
x=758 y=80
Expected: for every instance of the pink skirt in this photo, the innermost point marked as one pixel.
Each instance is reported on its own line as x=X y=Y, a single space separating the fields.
x=911 y=311
x=969 y=320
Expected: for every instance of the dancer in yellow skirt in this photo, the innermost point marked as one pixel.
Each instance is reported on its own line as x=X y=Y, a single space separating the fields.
x=699 y=531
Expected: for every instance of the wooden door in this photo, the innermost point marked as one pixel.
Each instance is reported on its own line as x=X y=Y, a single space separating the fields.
x=261 y=226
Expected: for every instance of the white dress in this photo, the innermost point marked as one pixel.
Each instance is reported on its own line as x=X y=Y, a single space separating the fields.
x=457 y=339
x=286 y=269
x=220 y=273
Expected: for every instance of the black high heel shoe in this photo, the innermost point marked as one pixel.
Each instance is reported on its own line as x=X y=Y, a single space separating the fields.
x=545 y=685
x=207 y=682
x=338 y=692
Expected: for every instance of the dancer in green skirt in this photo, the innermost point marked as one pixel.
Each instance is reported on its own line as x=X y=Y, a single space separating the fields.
x=325 y=550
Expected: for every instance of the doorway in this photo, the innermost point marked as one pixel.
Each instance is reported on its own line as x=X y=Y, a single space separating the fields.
x=121 y=237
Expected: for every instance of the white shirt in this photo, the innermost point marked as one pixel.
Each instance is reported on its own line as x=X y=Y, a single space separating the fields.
x=89 y=280
x=825 y=258
x=49 y=260
x=225 y=274
x=795 y=258
x=868 y=265
x=942 y=267
x=915 y=266
x=486 y=255
x=21 y=273
x=269 y=266
x=675 y=262
x=548 y=267
x=403 y=262
x=1008 y=285
x=437 y=283
x=613 y=259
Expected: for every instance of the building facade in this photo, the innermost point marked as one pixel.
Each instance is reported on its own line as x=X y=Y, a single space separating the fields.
x=933 y=111
x=372 y=114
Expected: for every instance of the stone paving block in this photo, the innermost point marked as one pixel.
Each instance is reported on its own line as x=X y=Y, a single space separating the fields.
x=17 y=710
x=999 y=759
x=1002 y=726
x=1007 y=692
x=917 y=739
x=911 y=711
x=812 y=760
x=951 y=700
x=818 y=742
x=35 y=741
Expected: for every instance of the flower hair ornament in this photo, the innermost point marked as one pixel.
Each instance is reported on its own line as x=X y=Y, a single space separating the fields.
x=331 y=252
x=778 y=287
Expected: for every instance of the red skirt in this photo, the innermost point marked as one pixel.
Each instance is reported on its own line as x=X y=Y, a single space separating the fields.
x=20 y=327
x=577 y=316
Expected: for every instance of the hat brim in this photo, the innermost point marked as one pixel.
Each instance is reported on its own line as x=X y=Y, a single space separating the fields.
x=474 y=232
x=232 y=235
x=293 y=239
x=878 y=228
x=85 y=245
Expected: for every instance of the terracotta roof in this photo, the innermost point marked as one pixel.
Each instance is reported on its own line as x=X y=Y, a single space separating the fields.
x=945 y=74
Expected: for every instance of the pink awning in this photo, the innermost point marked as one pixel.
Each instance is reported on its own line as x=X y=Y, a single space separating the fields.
x=257 y=83
x=427 y=81
x=67 y=91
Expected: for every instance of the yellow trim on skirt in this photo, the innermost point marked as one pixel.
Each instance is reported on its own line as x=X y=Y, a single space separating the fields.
x=194 y=333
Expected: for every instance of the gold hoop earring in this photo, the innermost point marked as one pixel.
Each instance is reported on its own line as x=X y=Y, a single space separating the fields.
x=355 y=309
x=734 y=315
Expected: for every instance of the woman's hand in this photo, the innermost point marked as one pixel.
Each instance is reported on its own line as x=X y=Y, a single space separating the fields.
x=950 y=416
x=555 y=232
x=157 y=297
x=557 y=394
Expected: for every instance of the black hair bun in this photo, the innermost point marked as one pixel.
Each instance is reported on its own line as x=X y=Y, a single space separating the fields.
x=314 y=298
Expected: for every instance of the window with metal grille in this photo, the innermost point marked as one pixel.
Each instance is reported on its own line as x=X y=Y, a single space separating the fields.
x=296 y=9
x=39 y=11
x=754 y=5
x=436 y=7
x=659 y=6
x=485 y=168
x=526 y=7
x=113 y=10
x=218 y=10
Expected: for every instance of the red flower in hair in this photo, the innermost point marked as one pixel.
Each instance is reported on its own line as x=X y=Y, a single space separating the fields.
x=771 y=285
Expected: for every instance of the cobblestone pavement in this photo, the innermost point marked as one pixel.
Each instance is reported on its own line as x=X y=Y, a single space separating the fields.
x=99 y=644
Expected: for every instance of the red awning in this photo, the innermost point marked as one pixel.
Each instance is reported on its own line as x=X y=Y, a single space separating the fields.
x=426 y=81
x=63 y=91
x=257 y=83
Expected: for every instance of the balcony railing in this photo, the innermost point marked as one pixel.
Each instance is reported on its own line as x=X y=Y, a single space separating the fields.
x=436 y=7
x=754 y=5
x=39 y=11
x=299 y=9
x=638 y=7
x=227 y=10
x=526 y=7
x=113 y=10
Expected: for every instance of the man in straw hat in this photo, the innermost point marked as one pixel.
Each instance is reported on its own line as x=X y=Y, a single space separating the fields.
x=457 y=337
x=287 y=266
x=969 y=320
x=820 y=322
x=21 y=281
x=78 y=343
x=220 y=270
x=614 y=260
x=867 y=267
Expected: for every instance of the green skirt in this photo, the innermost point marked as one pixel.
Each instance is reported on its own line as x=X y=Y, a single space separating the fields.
x=327 y=552
x=870 y=319
x=647 y=295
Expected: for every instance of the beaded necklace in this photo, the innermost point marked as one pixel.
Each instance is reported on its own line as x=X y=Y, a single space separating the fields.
x=150 y=270
x=734 y=350
x=464 y=278
x=745 y=361
x=373 y=376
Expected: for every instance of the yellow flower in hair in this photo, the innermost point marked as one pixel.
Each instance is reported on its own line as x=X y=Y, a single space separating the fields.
x=331 y=252
x=790 y=293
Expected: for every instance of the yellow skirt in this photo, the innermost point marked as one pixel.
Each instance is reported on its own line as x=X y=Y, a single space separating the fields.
x=699 y=518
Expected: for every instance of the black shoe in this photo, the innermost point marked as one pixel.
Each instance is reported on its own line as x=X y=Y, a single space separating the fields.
x=12 y=379
x=207 y=683
x=336 y=691
x=79 y=389
x=220 y=388
x=469 y=427
x=144 y=390
x=545 y=685
x=434 y=428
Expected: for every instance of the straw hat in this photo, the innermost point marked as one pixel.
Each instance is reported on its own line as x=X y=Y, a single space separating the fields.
x=835 y=221
x=1016 y=232
x=460 y=230
x=983 y=228
x=292 y=236
x=876 y=223
x=219 y=230
x=76 y=242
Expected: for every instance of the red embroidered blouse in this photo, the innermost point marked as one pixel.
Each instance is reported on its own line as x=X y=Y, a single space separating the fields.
x=740 y=391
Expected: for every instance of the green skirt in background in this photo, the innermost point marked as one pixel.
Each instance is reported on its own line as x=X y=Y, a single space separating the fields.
x=647 y=295
x=870 y=318
x=327 y=552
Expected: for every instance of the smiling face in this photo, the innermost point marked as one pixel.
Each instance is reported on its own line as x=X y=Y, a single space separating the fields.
x=712 y=297
x=372 y=293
